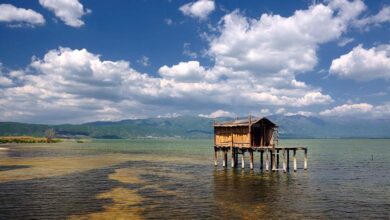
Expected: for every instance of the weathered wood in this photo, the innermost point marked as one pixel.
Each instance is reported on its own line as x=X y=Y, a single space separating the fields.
x=232 y=159
x=305 y=161
x=215 y=156
x=261 y=160
x=277 y=159
x=288 y=160
x=251 y=159
x=284 y=159
x=266 y=161
x=243 y=160
x=273 y=161
x=295 y=160
x=224 y=163
x=236 y=157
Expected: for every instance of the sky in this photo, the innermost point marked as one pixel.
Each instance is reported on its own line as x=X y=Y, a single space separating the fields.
x=75 y=61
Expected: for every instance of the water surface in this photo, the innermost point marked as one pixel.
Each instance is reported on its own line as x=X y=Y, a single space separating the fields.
x=176 y=178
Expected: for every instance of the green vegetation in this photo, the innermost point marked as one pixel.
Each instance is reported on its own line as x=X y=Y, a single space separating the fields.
x=199 y=127
x=26 y=139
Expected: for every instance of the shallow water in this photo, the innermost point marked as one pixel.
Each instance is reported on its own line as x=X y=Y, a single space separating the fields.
x=175 y=178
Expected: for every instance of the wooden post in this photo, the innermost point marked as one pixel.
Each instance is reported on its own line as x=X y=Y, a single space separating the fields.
x=295 y=160
x=243 y=159
x=266 y=161
x=288 y=159
x=261 y=159
x=215 y=156
x=251 y=159
x=224 y=158
x=274 y=161
x=277 y=159
x=271 y=159
x=305 y=161
x=236 y=157
x=284 y=159
x=232 y=157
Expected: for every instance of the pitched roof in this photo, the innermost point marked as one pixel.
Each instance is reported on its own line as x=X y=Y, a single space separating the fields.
x=242 y=122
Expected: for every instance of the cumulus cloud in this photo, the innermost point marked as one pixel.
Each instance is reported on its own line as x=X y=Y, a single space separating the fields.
x=18 y=17
x=218 y=114
x=184 y=71
x=362 y=64
x=69 y=11
x=273 y=43
x=200 y=9
x=256 y=63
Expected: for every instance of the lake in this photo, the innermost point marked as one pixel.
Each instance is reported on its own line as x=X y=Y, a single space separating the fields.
x=176 y=179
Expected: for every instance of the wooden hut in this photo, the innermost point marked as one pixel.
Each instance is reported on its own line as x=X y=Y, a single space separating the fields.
x=246 y=133
x=253 y=135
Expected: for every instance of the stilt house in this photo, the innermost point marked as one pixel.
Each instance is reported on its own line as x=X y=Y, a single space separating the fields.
x=246 y=133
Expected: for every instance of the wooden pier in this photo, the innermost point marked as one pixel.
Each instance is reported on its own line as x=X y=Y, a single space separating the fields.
x=272 y=156
x=251 y=136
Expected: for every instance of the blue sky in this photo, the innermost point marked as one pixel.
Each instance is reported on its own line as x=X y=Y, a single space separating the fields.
x=72 y=61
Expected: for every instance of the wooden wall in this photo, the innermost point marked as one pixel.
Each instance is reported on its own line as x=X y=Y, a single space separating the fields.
x=239 y=136
x=226 y=136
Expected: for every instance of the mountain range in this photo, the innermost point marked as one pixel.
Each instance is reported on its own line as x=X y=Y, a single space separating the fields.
x=295 y=126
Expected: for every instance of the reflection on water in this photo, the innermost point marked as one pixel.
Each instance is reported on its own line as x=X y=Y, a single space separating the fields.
x=176 y=179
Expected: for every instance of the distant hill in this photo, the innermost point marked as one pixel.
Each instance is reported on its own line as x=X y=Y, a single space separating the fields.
x=198 y=127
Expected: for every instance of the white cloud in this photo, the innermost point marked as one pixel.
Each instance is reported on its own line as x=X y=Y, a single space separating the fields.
x=218 y=114
x=344 y=41
x=144 y=61
x=256 y=63
x=20 y=16
x=187 y=51
x=69 y=11
x=184 y=71
x=383 y=16
x=363 y=64
x=199 y=9
x=4 y=81
x=348 y=110
x=358 y=110
x=274 y=44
